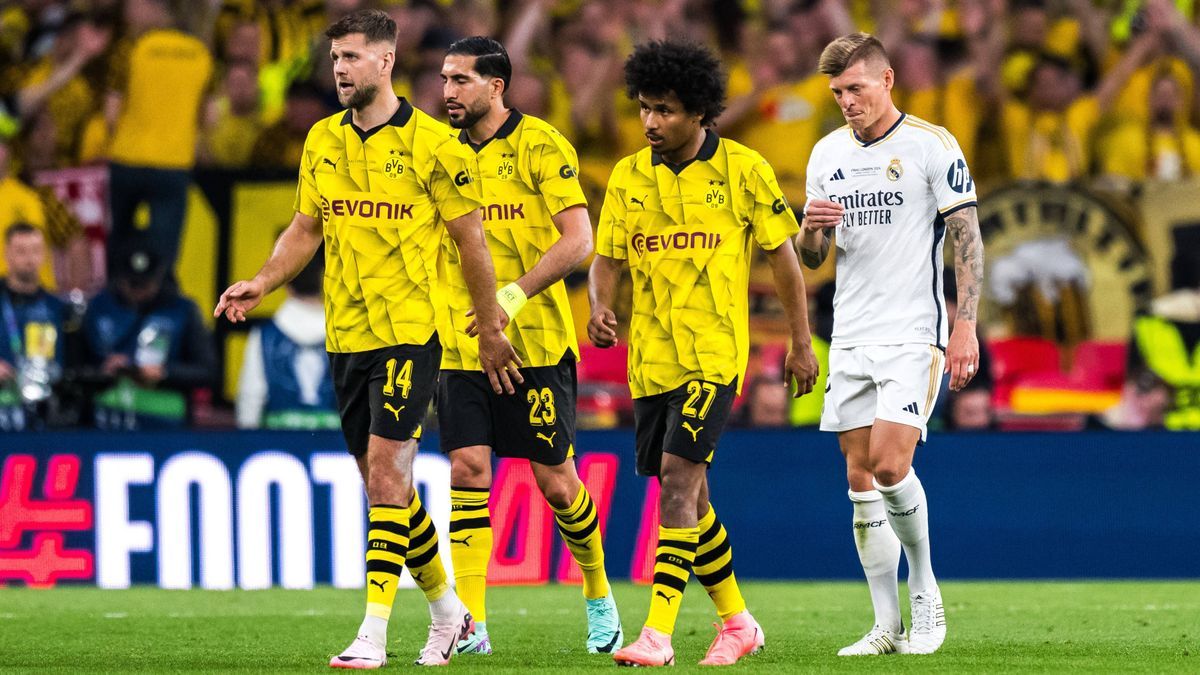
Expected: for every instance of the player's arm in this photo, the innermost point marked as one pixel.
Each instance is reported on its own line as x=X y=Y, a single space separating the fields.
x=801 y=362
x=816 y=231
x=564 y=255
x=962 y=354
x=496 y=354
x=603 y=278
x=294 y=248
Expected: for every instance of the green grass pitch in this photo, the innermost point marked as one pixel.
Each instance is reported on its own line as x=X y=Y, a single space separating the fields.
x=993 y=627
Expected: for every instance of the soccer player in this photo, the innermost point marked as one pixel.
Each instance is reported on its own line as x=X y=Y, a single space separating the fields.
x=382 y=183
x=536 y=221
x=684 y=214
x=890 y=185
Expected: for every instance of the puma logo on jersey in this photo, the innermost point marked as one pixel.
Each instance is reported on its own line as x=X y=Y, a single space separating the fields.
x=333 y=163
x=664 y=596
x=692 y=431
x=549 y=439
x=639 y=202
x=380 y=584
x=395 y=411
x=465 y=541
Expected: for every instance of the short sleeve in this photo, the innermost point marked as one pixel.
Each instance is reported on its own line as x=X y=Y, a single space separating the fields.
x=555 y=170
x=452 y=186
x=813 y=188
x=308 y=200
x=771 y=219
x=610 y=233
x=949 y=177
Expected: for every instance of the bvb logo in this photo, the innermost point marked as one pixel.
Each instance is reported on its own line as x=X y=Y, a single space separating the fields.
x=393 y=167
x=714 y=199
x=895 y=170
x=1110 y=283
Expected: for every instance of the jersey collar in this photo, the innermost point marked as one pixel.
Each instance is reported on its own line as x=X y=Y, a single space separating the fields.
x=891 y=130
x=401 y=117
x=506 y=129
x=707 y=150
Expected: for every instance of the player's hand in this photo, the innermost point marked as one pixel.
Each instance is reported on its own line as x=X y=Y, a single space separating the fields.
x=602 y=328
x=499 y=361
x=801 y=364
x=473 y=327
x=962 y=355
x=821 y=214
x=239 y=299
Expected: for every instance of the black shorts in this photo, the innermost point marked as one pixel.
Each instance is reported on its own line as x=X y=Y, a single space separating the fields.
x=686 y=422
x=385 y=392
x=536 y=423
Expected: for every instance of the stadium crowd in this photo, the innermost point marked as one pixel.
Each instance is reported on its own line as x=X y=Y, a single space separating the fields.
x=97 y=332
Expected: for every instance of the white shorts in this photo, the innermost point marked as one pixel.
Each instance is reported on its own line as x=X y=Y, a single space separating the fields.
x=897 y=383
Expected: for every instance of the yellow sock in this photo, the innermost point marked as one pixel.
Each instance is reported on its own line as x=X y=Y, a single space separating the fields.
x=387 y=542
x=672 y=567
x=579 y=526
x=714 y=566
x=471 y=547
x=423 y=560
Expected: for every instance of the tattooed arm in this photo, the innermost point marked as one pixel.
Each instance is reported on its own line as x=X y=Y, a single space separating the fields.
x=820 y=217
x=962 y=355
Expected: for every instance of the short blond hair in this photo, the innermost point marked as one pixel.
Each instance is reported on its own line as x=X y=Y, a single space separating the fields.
x=849 y=50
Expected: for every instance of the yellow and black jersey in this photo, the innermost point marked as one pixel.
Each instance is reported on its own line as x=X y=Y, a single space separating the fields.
x=384 y=196
x=686 y=232
x=163 y=77
x=527 y=173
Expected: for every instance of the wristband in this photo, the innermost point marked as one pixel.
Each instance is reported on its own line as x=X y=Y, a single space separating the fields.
x=511 y=299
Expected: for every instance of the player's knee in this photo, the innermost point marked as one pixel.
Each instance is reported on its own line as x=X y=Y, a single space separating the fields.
x=469 y=470
x=560 y=494
x=889 y=473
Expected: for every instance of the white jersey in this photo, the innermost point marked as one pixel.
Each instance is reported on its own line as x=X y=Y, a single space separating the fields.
x=897 y=191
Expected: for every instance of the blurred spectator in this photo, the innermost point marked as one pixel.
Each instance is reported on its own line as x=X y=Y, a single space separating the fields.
x=1145 y=399
x=767 y=402
x=281 y=145
x=1168 y=345
x=56 y=83
x=20 y=203
x=32 y=327
x=1166 y=147
x=233 y=119
x=157 y=86
x=142 y=334
x=286 y=382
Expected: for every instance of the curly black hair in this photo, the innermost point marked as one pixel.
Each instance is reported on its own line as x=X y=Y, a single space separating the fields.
x=688 y=69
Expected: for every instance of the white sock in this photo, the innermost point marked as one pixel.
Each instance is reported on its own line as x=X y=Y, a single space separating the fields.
x=445 y=609
x=374 y=628
x=879 y=553
x=908 y=512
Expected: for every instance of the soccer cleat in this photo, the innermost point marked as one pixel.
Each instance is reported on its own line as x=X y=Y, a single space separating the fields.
x=928 y=622
x=362 y=654
x=476 y=642
x=652 y=648
x=876 y=642
x=604 y=626
x=444 y=637
x=740 y=636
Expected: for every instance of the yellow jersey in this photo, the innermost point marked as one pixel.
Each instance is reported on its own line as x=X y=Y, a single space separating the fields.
x=163 y=84
x=384 y=196
x=527 y=174
x=20 y=203
x=686 y=232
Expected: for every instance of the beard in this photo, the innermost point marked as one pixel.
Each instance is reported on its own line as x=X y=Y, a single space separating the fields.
x=469 y=117
x=362 y=96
